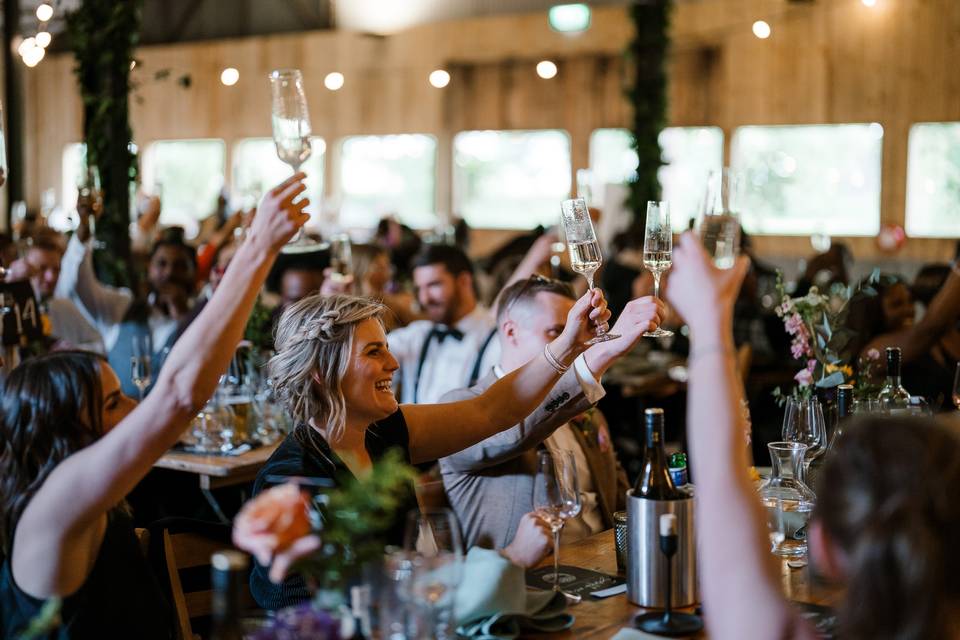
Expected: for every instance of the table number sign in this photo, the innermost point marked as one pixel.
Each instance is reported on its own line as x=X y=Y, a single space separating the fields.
x=22 y=320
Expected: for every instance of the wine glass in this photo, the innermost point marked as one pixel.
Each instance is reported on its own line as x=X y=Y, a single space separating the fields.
x=803 y=423
x=720 y=217
x=140 y=361
x=556 y=499
x=434 y=543
x=585 y=255
x=956 y=388
x=291 y=133
x=658 y=251
x=341 y=260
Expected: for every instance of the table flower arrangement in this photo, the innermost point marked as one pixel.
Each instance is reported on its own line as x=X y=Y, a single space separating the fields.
x=820 y=339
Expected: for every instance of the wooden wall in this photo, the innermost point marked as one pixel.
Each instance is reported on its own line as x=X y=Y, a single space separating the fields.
x=828 y=61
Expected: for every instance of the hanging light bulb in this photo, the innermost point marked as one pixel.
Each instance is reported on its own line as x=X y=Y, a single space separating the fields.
x=44 y=12
x=761 y=29
x=439 y=78
x=43 y=39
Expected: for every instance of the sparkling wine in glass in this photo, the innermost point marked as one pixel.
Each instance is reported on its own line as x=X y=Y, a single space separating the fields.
x=658 y=251
x=720 y=217
x=585 y=254
x=141 y=363
x=433 y=542
x=341 y=259
x=556 y=499
x=291 y=133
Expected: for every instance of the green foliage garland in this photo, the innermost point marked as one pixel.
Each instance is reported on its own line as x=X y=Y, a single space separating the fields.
x=102 y=35
x=647 y=93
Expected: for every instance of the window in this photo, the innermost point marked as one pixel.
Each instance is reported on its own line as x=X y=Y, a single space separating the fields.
x=811 y=178
x=380 y=175
x=933 y=180
x=510 y=179
x=257 y=168
x=689 y=154
x=188 y=176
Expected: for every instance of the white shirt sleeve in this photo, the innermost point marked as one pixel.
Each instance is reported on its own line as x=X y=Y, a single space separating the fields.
x=592 y=388
x=106 y=305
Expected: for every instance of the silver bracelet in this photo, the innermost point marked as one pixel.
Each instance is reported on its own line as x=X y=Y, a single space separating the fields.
x=558 y=366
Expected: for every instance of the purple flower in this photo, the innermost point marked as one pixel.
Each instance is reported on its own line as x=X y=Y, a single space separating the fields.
x=804 y=377
x=873 y=354
x=302 y=622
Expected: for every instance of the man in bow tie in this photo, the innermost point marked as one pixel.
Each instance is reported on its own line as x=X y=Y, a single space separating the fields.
x=490 y=485
x=457 y=344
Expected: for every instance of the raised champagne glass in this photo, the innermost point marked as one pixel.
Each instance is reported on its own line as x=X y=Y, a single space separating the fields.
x=585 y=254
x=291 y=134
x=720 y=217
x=658 y=251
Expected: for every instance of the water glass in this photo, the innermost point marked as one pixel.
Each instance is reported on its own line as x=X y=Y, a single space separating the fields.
x=720 y=217
x=434 y=543
x=803 y=422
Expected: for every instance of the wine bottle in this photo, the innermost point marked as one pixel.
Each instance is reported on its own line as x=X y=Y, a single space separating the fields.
x=844 y=411
x=228 y=579
x=894 y=399
x=655 y=482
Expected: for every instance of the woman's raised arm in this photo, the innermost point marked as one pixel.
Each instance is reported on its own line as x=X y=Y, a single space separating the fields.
x=438 y=430
x=64 y=517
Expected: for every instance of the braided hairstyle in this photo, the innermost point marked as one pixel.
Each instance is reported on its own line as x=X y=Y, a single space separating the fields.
x=313 y=340
x=890 y=504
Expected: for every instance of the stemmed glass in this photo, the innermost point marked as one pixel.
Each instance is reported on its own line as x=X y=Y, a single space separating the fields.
x=803 y=423
x=585 y=254
x=433 y=541
x=341 y=259
x=658 y=251
x=556 y=499
x=291 y=134
x=140 y=361
x=720 y=217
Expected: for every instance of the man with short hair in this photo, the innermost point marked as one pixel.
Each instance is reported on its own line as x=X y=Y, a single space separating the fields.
x=118 y=315
x=457 y=344
x=490 y=484
x=41 y=266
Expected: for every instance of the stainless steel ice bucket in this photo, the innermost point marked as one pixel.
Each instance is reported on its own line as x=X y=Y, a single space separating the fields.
x=646 y=564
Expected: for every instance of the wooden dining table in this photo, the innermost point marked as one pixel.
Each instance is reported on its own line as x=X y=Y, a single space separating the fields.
x=604 y=618
x=214 y=472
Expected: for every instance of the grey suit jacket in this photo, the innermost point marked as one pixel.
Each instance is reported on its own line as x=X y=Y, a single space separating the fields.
x=490 y=484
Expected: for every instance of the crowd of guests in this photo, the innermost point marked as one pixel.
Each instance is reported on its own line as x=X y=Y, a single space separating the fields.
x=404 y=355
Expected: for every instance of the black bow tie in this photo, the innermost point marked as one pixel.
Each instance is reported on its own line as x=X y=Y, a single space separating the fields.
x=441 y=332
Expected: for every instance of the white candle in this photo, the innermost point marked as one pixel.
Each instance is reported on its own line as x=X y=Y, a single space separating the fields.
x=668 y=524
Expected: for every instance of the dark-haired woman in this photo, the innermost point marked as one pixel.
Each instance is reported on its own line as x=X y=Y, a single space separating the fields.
x=73 y=446
x=884 y=527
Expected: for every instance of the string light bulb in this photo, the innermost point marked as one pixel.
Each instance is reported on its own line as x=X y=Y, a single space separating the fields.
x=439 y=78
x=33 y=56
x=43 y=39
x=26 y=45
x=333 y=81
x=546 y=69
x=44 y=12
x=229 y=76
x=761 y=29
x=869 y=3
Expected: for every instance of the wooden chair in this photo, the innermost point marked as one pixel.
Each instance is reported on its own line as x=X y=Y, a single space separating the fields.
x=191 y=551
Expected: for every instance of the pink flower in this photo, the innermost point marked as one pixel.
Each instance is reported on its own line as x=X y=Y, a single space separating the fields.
x=804 y=377
x=272 y=522
x=873 y=354
x=794 y=324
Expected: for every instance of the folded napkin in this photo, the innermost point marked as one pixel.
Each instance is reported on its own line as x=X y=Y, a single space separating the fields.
x=493 y=602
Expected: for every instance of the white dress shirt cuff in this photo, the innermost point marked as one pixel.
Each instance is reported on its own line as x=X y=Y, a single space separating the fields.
x=592 y=388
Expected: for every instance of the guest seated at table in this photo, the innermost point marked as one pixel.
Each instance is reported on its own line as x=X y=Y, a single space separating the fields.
x=334 y=371
x=887 y=320
x=72 y=446
x=118 y=314
x=884 y=524
x=490 y=485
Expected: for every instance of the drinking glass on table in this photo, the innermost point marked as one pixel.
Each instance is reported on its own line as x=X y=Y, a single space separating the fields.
x=140 y=362
x=585 y=255
x=291 y=133
x=720 y=217
x=434 y=542
x=341 y=259
x=658 y=251
x=803 y=422
x=556 y=499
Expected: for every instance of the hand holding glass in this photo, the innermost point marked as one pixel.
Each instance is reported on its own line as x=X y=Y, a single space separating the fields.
x=658 y=251
x=585 y=255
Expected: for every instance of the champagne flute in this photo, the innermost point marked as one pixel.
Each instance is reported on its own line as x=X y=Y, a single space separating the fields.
x=556 y=499
x=720 y=217
x=140 y=363
x=433 y=541
x=585 y=255
x=658 y=251
x=341 y=260
x=291 y=134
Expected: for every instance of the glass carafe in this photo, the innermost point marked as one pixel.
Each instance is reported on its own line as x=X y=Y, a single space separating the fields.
x=787 y=500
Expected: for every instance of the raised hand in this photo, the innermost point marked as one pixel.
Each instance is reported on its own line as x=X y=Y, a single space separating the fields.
x=278 y=217
x=638 y=316
x=589 y=313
